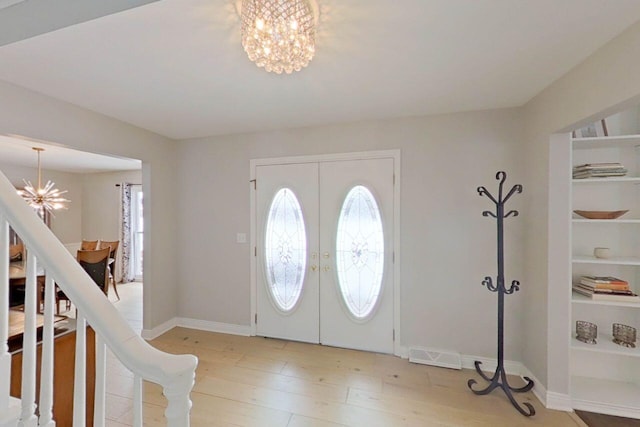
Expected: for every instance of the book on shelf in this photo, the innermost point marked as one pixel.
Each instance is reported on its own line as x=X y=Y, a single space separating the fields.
x=598 y=174
x=605 y=165
x=598 y=170
x=591 y=289
x=605 y=286
x=612 y=297
x=603 y=280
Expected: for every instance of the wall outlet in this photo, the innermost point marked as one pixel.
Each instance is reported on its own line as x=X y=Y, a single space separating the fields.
x=241 y=238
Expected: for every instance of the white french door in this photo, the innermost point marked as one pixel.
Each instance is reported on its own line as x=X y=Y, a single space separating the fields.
x=287 y=285
x=324 y=253
x=356 y=235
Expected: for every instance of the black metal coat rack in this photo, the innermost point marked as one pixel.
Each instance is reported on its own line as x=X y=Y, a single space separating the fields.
x=499 y=378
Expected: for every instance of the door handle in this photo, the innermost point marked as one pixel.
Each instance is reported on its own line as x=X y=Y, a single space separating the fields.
x=327 y=268
x=314 y=268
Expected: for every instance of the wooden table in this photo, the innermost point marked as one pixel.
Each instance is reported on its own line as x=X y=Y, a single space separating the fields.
x=64 y=365
x=17 y=278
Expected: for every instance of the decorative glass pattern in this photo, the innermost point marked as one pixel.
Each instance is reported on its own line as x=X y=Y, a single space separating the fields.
x=285 y=249
x=360 y=252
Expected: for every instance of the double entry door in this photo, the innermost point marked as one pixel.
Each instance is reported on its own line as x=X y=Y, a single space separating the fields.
x=325 y=252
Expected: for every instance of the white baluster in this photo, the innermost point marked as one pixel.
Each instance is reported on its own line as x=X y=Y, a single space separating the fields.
x=80 y=375
x=5 y=357
x=178 y=401
x=27 y=416
x=99 y=411
x=137 y=400
x=46 y=371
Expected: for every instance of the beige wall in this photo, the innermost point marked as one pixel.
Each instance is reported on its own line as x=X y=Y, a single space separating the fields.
x=447 y=247
x=101 y=208
x=605 y=83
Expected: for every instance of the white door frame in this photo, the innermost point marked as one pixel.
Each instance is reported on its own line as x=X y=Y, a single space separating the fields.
x=393 y=154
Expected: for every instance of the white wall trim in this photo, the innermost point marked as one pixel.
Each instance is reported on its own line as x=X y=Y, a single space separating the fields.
x=559 y=401
x=378 y=154
x=205 y=325
x=202 y=325
x=149 y=334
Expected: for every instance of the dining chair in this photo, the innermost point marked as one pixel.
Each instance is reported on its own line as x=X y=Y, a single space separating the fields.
x=96 y=264
x=112 y=261
x=89 y=245
x=16 y=252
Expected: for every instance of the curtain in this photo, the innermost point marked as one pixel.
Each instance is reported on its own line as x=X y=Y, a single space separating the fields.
x=125 y=265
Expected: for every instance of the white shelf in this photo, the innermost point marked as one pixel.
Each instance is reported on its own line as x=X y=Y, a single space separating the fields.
x=606 y=142
x=605 y=345
x=605 y=396
x=633 y=179
x=620 y=260
x=577 y=298
x=606 y=221
x=607 y=359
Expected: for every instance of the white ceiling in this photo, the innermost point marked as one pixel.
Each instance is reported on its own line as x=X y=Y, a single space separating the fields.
x=176 y=67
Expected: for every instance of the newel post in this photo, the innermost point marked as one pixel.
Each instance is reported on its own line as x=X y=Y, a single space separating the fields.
x=179 y=401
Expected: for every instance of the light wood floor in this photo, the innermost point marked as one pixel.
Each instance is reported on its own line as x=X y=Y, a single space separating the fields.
x=251 y=381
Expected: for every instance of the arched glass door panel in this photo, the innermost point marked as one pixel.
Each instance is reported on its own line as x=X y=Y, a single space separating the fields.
x=285 y=250
x=360 y=252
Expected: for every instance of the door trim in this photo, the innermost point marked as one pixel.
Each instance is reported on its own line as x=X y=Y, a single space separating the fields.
x=380 y=154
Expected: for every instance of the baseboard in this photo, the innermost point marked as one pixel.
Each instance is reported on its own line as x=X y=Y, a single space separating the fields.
x=223 y=328
x=203 y=325
x=559 y=401
x=149 y=334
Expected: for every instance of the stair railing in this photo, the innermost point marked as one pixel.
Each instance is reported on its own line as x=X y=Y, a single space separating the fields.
x=175 y=373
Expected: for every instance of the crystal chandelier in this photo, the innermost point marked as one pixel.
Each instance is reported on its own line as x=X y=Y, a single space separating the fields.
x=43 y=198
x=279 y=35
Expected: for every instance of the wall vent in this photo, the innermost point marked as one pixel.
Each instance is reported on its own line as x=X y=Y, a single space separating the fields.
x=442 y=358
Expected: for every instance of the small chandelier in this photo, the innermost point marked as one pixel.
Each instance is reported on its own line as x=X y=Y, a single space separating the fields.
x=279 y=35
x=43 y=199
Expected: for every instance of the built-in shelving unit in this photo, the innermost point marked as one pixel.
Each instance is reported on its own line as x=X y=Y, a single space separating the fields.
x=605 y=377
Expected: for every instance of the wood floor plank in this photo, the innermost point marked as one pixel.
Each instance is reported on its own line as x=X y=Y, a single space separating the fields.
x=302 y=405
x=261 y=364
x=212 y=410
x=315 y=389
x=252 y=381
x=426 y=411
x=333 y=376
x=300 y=421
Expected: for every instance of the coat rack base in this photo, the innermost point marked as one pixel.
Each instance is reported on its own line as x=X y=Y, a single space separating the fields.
x=499 y=379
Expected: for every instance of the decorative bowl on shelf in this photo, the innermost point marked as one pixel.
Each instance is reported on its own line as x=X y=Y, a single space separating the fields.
x=601 y=214
x=586 y=332
x=624 y=335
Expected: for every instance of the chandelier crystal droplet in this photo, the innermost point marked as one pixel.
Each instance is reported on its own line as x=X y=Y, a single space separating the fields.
x=278 y=35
